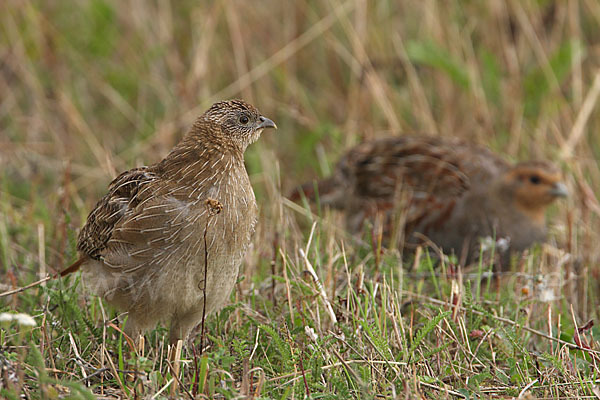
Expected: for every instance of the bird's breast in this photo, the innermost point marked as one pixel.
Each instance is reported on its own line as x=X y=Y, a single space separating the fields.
x=232 y=227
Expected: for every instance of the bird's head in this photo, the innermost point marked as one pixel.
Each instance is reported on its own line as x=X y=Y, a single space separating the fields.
x=533 y=186
x=238 y=121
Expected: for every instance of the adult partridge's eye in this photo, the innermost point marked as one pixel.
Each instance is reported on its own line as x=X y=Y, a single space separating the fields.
x=534 y=179
x=244 y=120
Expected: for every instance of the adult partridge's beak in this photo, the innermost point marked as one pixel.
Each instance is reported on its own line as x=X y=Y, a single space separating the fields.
x=266 y=123
x=559 y=189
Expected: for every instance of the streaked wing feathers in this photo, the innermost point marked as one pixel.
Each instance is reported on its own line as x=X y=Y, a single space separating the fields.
x=155 y=233
x=433 y=172
x=123 y=195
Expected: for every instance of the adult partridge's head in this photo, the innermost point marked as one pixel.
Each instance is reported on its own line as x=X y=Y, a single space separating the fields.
x=238 y=121
x=533 y=186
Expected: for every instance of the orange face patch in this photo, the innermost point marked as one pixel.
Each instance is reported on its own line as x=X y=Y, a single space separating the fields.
x=535 y=185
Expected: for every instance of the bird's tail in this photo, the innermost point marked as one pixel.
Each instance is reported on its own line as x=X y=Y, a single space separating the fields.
x=71 y=268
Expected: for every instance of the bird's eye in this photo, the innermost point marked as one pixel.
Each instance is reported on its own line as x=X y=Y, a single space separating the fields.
x=244 y=120
x=534 y=179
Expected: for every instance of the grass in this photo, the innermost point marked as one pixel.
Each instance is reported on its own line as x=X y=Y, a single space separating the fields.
x=92 y=88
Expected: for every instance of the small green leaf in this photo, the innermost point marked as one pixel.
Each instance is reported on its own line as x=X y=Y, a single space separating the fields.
x=537 y=84
x=429 y=53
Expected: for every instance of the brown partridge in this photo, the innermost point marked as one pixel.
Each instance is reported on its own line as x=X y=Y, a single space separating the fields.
x=446 y=191
x=142 y=247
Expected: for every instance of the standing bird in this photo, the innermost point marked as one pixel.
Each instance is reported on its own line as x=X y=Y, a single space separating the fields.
x=143 y=245
x=443 y=191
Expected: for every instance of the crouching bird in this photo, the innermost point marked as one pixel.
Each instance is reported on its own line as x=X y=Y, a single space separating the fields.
x=445 y=192
x=143 y=245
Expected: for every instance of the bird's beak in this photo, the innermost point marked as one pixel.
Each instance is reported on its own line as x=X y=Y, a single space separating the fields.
x=266 y=123
x=559 y=189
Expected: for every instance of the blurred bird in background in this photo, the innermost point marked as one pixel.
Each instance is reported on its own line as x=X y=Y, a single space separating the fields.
x=444 y=192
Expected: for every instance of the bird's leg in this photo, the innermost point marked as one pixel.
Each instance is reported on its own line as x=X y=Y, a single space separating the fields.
x=180 y=328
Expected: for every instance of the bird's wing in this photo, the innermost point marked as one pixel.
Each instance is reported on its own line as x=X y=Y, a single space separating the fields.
x=160 y=232
x=124 y=194
x=420 y=165
x=143 y=222
x=431 y=172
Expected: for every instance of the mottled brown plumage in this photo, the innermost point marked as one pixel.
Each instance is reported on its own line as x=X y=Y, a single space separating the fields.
x=142 y=247
x=448 y=191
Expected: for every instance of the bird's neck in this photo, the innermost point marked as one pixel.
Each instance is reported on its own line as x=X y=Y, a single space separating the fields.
x=504 y=198
x=536 y=214
x=200 y=160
